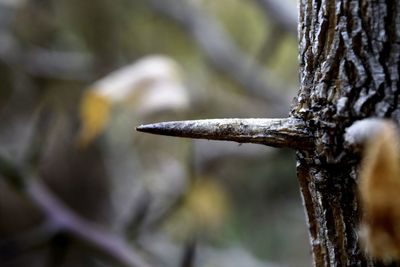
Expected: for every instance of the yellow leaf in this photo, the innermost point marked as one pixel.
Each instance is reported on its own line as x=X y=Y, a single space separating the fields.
x=94 y=115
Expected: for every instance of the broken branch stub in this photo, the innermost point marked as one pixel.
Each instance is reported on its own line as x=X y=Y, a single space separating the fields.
x=287 y=132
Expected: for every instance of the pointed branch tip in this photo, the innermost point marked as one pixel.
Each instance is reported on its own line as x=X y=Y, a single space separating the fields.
x=288 y=132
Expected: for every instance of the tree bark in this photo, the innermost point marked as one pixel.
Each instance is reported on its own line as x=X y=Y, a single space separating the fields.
x=349 y=70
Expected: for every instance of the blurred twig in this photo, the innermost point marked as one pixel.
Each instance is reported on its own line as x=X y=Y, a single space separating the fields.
x=61 y=218
x=189 y=253
x=271 y=44
x=222 y=52
x=59 y=64
x=283 y=19
x=103 y=241
x=281 y=15
x=44 y=63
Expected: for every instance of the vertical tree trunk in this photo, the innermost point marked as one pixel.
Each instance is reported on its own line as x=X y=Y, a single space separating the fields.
x=349 y=69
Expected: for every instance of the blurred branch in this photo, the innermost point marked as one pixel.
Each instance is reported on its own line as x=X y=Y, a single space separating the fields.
x=189 y=253
x=283 y=19
x=11 y=174
x=45 y=63
x=271 y=44
x=59 y=64
x=61 y=218
x=222 y=52
x=281 y=14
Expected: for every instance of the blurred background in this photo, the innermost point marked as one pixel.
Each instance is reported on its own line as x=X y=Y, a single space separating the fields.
x=80 y=187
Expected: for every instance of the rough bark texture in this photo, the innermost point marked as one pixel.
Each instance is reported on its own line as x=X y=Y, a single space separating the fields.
x=289 y=132
x=349 y=69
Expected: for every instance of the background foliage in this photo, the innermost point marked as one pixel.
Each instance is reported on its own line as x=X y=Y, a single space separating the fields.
x=234 y=205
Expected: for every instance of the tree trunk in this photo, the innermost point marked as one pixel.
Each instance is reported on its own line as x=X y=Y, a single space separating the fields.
x=349 y=69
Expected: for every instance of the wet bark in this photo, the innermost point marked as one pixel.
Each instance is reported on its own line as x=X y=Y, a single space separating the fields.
x=349 y=69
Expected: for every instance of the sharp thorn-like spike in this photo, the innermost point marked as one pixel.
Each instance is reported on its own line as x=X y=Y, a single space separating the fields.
x=288 y=132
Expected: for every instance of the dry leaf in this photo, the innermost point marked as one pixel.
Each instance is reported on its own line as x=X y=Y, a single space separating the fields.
x=379 y=191
x=149 y=85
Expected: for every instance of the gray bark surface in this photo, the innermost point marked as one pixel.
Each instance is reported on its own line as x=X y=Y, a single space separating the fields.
x=349 y=70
